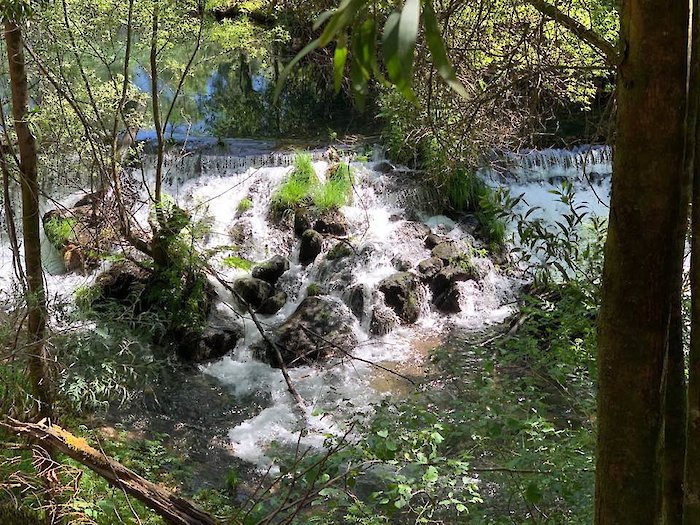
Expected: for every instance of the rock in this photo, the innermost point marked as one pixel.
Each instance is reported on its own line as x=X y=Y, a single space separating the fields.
x=448 y=276
x=383 y=321
x=432 y=240
x=401 y=264
x=383 y=167
x=271 y=270
x=447 y=251
x=253 y=291
x=302 y=221
x=429 y=268
x=311 y=246
x=273 y=304
x=73 y=259
x=400 y=293
x=333 y=223
x=320 y=326
x=121 y=283
x=446 y=294
x=214 y=343
x=240 y=232
x=355 y=299
x=340 y=250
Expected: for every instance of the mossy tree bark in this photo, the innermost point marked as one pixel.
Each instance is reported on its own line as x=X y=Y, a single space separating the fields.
x=39 y=363
x=646 y=222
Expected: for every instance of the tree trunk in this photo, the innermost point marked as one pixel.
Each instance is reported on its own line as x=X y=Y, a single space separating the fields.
x=39 y=368
x=646 y=215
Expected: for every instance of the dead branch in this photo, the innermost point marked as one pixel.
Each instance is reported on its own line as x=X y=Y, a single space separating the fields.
x=173 y=508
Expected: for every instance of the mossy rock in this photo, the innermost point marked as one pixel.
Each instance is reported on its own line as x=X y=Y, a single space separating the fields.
x=340 y=250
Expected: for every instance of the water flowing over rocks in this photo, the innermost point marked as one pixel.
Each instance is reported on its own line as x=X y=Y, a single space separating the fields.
x=320 y=326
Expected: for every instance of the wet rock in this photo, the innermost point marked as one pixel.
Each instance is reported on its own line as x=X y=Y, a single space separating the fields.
x=448 y=300
x=413 y=229
x=383 y=167
x=315 y=289
x=311 y=246
x=302 y=221
x=340 y=250
x=432 y=240
x=400 y=293
x=383 y=321
x=121 y=283
x=429 y=268
x=271 y=270
x=320 y=327
x=447 y=251
x=273 y=304
x=240 y=232
x=446 y=294
x=333 y=223
x=214 y=343
x=355 y=299
x=74 y=260
x=401 y=264
x=253 y=291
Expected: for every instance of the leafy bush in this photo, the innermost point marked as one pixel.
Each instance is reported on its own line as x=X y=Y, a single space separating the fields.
x=233 y=261
x=59 y=231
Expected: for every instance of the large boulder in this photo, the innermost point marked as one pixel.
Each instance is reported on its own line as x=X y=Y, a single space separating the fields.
x=271 y=270
x=212 y=344
x=355 y=299
x=320 y=326
x=311 y=246
x=253 y=291
x=401 y=294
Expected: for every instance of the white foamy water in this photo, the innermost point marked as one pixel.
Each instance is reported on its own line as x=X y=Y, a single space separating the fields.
x=389 y=218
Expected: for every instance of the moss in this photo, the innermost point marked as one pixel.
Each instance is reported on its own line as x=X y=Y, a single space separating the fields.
x=339 y=251
x=59 y=231
x=238 y=262
x=313 y=290
x=244 y=205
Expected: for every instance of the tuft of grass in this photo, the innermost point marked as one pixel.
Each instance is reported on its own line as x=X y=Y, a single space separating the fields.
x=337 y=190
x=238 y=262
x=298 y=187
x=244 y=205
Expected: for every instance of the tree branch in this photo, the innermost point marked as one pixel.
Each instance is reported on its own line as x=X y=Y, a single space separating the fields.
x=589 y=36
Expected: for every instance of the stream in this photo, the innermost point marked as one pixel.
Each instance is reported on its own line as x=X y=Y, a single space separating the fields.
x=392 y=212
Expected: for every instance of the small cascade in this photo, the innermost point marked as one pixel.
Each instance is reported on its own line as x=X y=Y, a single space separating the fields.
x=380 y=247
x=548 y=164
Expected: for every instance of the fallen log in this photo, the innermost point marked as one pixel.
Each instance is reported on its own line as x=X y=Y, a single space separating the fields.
x=173 y=508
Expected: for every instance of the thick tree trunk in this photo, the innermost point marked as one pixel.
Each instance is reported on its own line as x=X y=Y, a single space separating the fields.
x=39 y=368
x=646 y=219
x=173 y=508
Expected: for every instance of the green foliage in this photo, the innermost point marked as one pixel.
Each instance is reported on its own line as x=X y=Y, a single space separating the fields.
x=314 y=289
x=59 y=231
x=244 y=205
x=232 y=261
x=336 y=191
x=298 y=186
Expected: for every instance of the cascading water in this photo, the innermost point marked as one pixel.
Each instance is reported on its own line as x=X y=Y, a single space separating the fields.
x=390 y=215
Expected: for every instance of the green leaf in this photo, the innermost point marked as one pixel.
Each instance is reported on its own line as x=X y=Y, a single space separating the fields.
x=533 y=494
x=398 y=47
x=438 y=52
x=342 y=17
x=285 y=72
x=339 y=58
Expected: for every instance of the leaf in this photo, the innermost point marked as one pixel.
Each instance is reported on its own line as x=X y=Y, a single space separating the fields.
x=347 y=11
x=437 y=50
x=533 y=494
x=358 y=82
x=288 y=69
x=398 y=45
x=323 y=17
x=339 y=58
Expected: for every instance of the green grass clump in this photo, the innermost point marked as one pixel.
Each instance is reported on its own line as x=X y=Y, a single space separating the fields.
x=298 y=187
x=244 y=205
x=238 y=262
x=337 y=190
